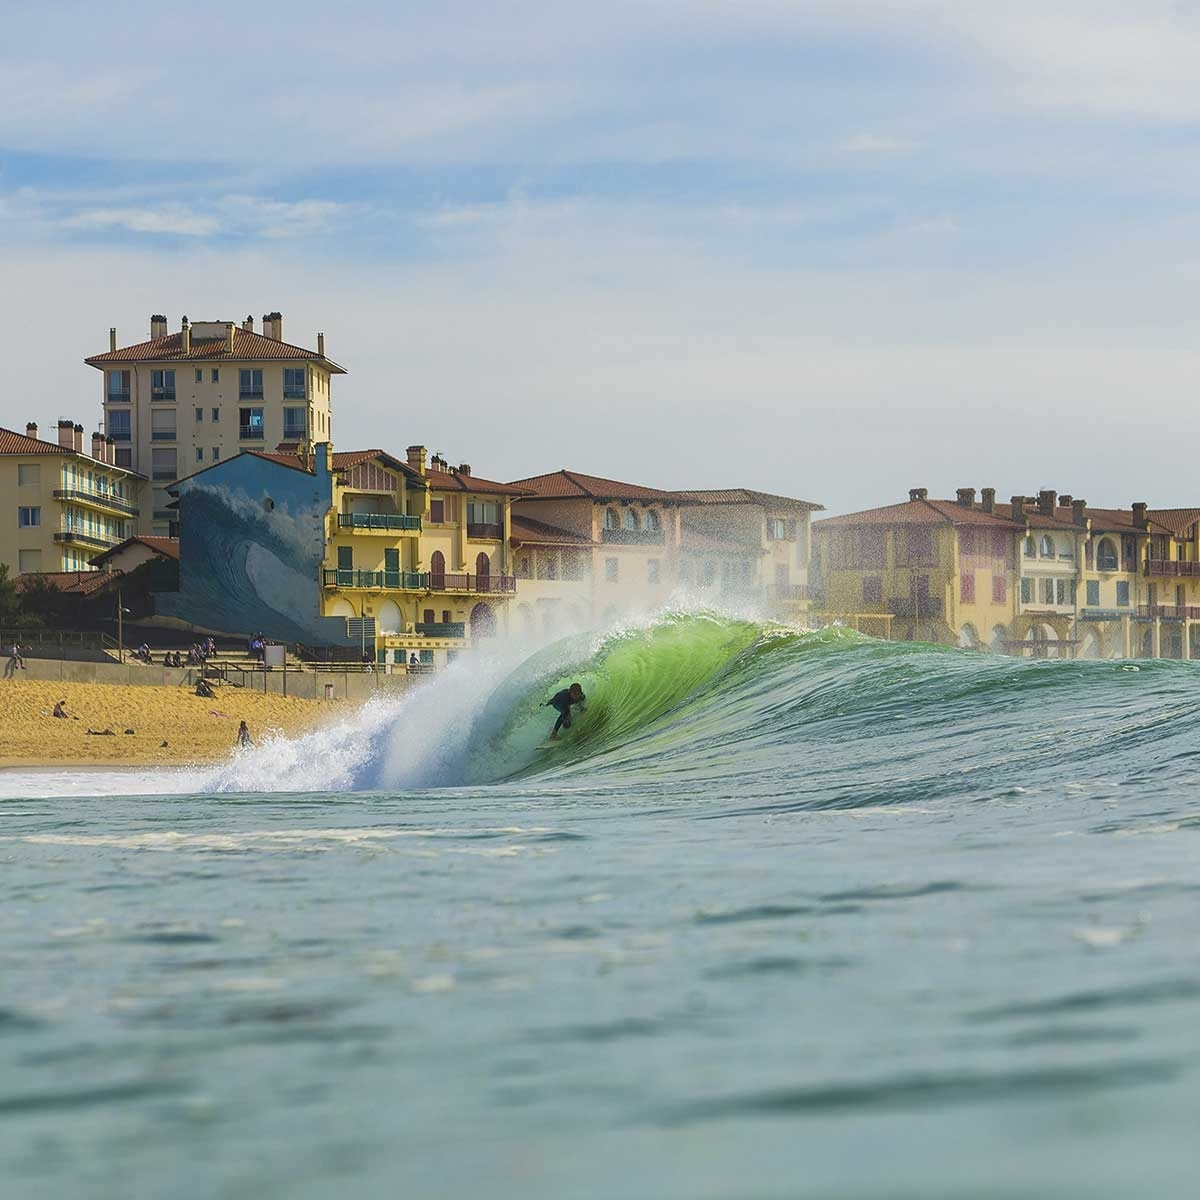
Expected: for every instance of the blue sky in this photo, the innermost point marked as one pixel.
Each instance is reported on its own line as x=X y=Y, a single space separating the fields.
x=829 y=249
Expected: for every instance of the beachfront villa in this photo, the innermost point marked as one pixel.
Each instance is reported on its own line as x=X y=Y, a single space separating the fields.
x=63 y=506
x=1044 y=576
x=181 y=401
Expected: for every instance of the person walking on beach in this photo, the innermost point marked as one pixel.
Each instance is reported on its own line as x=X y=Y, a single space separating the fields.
x=561 y=702
x=15 y=661
x=244 y=738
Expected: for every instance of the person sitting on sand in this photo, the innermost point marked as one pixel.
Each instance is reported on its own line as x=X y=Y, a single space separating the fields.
x=243 y=736
x=204 y=688
x=561 y=702
x=102 y=733
x=60 y=710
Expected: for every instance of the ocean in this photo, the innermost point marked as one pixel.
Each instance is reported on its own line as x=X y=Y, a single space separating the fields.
x=785 y=914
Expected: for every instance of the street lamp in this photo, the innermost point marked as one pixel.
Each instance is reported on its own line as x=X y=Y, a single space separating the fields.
x=121 y=611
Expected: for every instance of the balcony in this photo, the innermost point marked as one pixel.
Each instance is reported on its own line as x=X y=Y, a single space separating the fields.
x=1163 y=566
x=476 y=529
x=632 y=537
x=1170 y=612
x=118 y=397
x=378 y=522
x=924 y=607
x=442 y=629
x=412 y=581
x=292 y=433
x=78 y=537
x=120 y=435
x=250 y=433
x=162 y=435
x=1104 y=614
x=250 y=395
x=96 y=499
x=486 y=584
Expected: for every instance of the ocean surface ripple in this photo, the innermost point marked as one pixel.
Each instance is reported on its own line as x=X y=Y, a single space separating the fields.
x=786 y=913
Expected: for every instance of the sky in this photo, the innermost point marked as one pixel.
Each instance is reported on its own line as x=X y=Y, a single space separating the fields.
x=833 y=249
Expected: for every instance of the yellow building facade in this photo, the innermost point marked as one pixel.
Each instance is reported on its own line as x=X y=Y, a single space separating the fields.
x=62 y=507
x=183 y=400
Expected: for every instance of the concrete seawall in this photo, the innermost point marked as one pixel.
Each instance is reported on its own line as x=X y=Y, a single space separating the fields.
x=303 y=685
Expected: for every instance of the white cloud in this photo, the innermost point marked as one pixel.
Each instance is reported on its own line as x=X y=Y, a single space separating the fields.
x=866 y=143
x=140 y=220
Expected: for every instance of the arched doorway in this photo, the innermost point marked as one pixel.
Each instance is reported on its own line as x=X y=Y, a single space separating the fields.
x=483 y=572
x=340 y=608
x=389 y=618
x=483 y=622
x=437 y=571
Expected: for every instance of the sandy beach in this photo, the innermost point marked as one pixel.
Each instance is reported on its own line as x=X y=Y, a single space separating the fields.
x=169 y=725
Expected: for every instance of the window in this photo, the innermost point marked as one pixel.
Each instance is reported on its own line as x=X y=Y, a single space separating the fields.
x=124 y=458
x=1093 y=593
x=163 y=464
x=216 y=375
x=966 y=588
x=523 y=567
x=1122 y=593
x=162 y=385
x=652 y=570
x=1106 y=555
x=1030 y=547
x=1047 y=591
x=1046 y=548
x=250 y=423
x=610 y=570
x=199 y=453
x=872 y=589
x=1026 y=591
x=118 y=425
x=776 y=529
x=920 y=548
x=250 y=384
x=29 y=560
x=652 y=521
x=611 y=520
x=216 y=453
x=29 y=518
x=215 y=415
x=199 y=414
x=999 y=589
x=199 y=374
x=631 y=520
x=293 y=384
x=118 y=386
x=162 y=425
x=29 y=475
x=437 y=512
x=1065 y=591
x=295 y=422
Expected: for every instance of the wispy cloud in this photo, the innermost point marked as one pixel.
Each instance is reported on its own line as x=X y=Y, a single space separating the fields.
x=142 y=220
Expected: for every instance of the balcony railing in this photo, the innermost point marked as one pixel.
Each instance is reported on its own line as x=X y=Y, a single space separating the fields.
x=418 y=581
x=120 y=435
x=478 y=529
x=294 y=393
x=98 y=499
x=1171 y=612
x=250 y=433
x=926 y=606
x=118 y=397
x=75 y=536
x=163 y=435
x=1163 y=566
x=632 y=537
x=442 y=629
x=472 y=583
x=293 y=433
x=378 y=521
x=250 y=395
x=1104 y=614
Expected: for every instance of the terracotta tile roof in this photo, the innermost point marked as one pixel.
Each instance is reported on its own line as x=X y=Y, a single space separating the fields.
x=1177 y=520
x=79 y=583
x=1061 y=518
x=21 y=444
x=563 y=485
x=745 y=496
x=247 y=345
x=920 y=512
x=454 y=481
x=160 y=545
x=526 y=531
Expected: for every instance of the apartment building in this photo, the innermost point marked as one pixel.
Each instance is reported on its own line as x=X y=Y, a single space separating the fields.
x=62 y=506
x=182 y=401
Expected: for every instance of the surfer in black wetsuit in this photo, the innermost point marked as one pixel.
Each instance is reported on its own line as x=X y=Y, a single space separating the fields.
x=561 y=703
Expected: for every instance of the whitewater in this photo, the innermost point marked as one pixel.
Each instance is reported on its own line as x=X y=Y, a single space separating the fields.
x=786 y=913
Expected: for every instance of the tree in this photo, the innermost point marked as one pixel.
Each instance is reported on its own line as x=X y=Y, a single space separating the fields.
x=10 y=601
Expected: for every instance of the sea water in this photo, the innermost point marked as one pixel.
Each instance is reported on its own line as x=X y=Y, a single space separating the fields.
x=785 y=914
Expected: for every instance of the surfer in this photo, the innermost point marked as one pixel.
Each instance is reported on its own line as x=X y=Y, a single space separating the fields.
x=561 y=702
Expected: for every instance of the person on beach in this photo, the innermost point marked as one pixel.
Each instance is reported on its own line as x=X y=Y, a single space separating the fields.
x=15 y=661
x=60 y=710
x=204 y=688
x=561 y=702
x=243 y=736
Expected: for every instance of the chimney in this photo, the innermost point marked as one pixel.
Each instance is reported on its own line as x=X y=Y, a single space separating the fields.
x=187 y=337
x=110 y=451
x=966 y=497
x=987 y=499
x=66 y=434
x=1046 y=499
x=158 y=327
x=248 y=323
x=1064 y=500
x=31 y=429
x=1139 y=514
x=273 y=326
x=918 y=493
x=321 y=345
x=416 y=458
x=228 y=337
x=98 y=447
x=112 y=339
x=77 y=438
x=464 y=468
x=1079 y=512
x=1018 y=508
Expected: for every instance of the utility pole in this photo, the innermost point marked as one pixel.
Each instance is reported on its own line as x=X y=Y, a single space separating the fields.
x=120 y=628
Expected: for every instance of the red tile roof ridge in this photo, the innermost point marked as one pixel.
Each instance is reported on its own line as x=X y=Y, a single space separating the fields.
x=526 y=529
x=14 y=443
x=247 y=345
x=83 y=582
x=593 y=487
x=741 y=495
x=456 y=481
x=919 y=512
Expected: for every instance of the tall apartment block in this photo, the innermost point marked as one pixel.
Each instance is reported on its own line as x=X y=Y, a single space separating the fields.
x=182 y=401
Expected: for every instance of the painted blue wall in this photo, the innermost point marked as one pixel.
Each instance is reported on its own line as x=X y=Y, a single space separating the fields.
x=251 y=547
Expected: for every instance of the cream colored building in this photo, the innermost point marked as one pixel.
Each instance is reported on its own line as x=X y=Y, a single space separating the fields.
x=181 y=401
x=62 y=507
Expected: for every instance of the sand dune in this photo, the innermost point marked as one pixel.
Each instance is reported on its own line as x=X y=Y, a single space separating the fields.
x=194 y=729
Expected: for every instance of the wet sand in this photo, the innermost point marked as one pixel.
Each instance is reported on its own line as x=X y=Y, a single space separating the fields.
x=195 y=729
